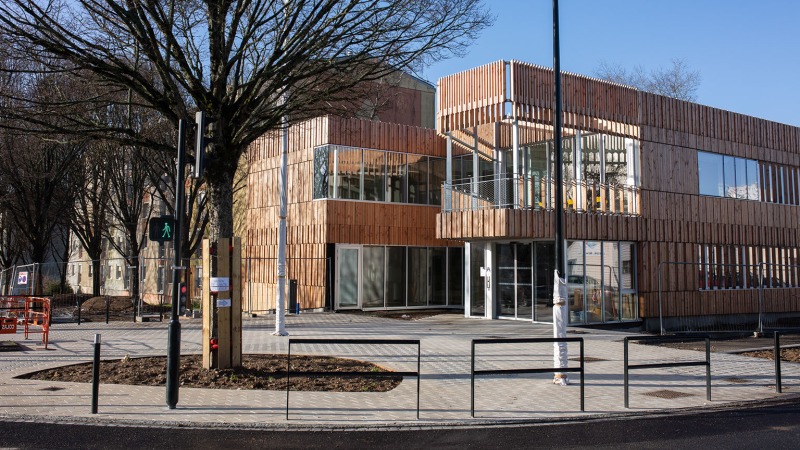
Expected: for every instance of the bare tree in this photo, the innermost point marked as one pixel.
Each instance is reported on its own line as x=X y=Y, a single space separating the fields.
x=89 y=220
x=247 y=63
x=676 y=81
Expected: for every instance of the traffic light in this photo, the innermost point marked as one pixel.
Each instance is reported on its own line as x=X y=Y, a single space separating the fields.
x=182 y=295
x=200 y=144
x=162 y=229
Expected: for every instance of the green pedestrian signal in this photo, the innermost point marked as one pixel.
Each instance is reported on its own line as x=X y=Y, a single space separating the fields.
x=161 y=229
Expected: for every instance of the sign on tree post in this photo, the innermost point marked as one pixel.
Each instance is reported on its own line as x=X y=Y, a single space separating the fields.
x=222 y=304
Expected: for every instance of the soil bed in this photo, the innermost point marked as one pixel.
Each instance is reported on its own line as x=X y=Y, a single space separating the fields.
x=267 y=372
x=787 y=354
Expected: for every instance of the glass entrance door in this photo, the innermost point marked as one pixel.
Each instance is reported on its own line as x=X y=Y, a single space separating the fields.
x=514 y=280
x=348 y=274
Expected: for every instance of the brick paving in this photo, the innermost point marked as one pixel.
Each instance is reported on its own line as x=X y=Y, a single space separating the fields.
x=444 y=388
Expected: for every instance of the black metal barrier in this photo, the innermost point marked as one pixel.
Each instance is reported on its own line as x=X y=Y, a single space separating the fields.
x=474 y=372
x=706 y=363
x=289 y=372
x=777 y=356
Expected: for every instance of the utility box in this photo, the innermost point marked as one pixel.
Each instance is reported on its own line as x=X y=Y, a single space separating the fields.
x=293 y=307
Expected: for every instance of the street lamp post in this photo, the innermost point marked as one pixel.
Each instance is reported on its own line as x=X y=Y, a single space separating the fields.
x=174 y=339
x=280 y=298
x=560 y=309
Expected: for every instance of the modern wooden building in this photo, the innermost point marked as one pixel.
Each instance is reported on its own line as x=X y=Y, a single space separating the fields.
x=673 y=209
x=363 y=196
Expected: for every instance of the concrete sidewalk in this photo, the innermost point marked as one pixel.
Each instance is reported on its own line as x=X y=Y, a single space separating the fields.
x=445 y=367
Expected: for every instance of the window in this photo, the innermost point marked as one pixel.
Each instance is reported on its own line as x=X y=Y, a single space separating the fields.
x=376 y=175
x=709 y=170
x=728 y=176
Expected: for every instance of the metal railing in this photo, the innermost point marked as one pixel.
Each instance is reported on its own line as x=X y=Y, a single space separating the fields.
x=536 y=193
x=777 y=357
x=473 y=372
x=290 y=372
x=706 y=363
x=754 y=281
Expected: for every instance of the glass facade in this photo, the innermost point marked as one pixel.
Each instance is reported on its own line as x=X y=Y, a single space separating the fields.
x=601 y=284
x=374 y=175
x=375 y=276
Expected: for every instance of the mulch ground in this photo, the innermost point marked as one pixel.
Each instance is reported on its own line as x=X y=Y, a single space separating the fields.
x=787 y=354
x=267 y=372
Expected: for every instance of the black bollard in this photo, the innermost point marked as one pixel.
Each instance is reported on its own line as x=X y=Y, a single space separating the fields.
x=96 y=373
x=108 y=305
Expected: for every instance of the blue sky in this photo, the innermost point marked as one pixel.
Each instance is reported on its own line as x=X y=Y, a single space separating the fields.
x=748 y=52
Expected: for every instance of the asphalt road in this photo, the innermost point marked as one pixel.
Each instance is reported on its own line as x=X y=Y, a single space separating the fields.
x=775 y=426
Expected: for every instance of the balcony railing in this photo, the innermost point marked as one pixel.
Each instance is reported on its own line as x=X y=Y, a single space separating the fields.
x=539 y=193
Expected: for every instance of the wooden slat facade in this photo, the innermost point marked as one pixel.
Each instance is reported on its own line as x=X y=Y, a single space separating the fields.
x=312 y=224
x=673 y=218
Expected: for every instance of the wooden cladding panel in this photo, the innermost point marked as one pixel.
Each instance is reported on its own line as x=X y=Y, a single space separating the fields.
x=382 y=224
x=534 y=224
x=470 y=98
x=710 y=302
x=666 y=120
x=476 y=97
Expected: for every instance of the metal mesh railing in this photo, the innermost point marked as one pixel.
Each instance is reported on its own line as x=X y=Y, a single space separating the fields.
x=702 y=297
x=538 y=193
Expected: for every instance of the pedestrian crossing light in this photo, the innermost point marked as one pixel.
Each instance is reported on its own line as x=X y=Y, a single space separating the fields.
x=161 y=229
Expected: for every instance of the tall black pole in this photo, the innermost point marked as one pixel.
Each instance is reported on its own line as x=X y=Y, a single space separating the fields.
x=560 y=312
x=174 y=343
x=559 y=169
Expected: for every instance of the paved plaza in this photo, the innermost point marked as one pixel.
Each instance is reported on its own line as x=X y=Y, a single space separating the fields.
x=444 y=387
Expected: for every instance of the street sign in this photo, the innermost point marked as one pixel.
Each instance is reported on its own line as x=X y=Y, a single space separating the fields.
x=22 y=278
x=219 y=284
x=161 y=229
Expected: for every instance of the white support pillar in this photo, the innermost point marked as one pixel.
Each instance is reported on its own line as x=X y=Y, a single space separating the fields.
x=475 y=168
x=515 y=162
x=578 y=164
x=448 y=176
x=548 y=203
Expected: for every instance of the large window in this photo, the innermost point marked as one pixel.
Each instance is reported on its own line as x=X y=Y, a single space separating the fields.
x=747 y=267
x=375 y=175
x=601 y=284
x=727 y=176
x=399 y=277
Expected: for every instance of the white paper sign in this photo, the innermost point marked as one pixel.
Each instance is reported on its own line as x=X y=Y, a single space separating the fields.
x=223 y=303
x=220 y=284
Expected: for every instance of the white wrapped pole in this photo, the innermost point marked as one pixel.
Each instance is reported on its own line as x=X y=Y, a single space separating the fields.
x=560 y=317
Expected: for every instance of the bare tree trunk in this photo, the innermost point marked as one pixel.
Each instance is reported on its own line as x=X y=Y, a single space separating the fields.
x=220 y=207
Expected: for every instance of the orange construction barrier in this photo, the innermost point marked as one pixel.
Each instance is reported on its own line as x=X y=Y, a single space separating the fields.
x=33 y=313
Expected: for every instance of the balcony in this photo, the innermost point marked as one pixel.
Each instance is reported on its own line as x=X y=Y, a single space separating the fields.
x=538 y=193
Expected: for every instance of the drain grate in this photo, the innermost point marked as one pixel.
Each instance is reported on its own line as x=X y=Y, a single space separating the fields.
x=52 y=388
x=10 y=346
x=736 y=380
x=577 y=332
x=587 y=359
x=666 y=393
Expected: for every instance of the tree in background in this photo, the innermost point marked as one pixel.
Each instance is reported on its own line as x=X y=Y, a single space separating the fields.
x=676 y=81
x=248 y=64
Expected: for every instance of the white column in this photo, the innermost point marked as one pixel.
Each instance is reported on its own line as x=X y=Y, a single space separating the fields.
x=448 y=176
x=475 y=166
x=515 y=162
